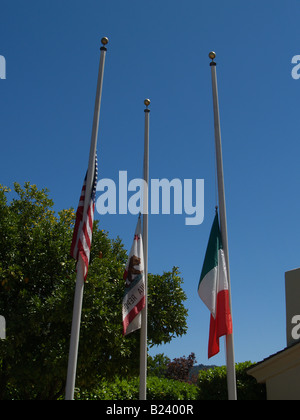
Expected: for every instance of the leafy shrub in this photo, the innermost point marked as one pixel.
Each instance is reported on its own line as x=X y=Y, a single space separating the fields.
x=169 y=389
x=118 y=389
x=213 y=384
x=157 y=389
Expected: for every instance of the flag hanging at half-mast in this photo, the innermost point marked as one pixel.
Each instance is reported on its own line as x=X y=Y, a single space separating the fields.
x=213 y=289
x=83 y=229
x=134 y=276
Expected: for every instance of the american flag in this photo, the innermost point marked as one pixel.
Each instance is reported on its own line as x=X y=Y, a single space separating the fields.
x=83 y=230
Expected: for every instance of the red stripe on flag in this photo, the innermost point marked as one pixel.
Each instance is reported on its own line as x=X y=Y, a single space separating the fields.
x=220 y=326
x=83 y=229
x=90 y=217
x=85 y=259
x=132 y=314
x=86 y=235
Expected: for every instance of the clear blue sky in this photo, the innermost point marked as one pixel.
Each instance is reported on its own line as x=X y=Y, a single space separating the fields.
x=159 y=49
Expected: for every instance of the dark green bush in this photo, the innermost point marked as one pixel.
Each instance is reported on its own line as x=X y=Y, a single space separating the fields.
x=212 y=384
x=169 y=389
x=157 y=389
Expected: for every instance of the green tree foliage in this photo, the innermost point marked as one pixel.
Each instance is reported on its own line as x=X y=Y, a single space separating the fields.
x=157 y=389
x=212 y=384
x=37 y=283
x=165 y=313
x=157 y=365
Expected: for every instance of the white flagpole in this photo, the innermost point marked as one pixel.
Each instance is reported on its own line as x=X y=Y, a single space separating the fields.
x=75 y=331
x=144 y=326
x=231 y=377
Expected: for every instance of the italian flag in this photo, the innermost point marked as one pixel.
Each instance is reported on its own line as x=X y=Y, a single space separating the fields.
x=213 y=289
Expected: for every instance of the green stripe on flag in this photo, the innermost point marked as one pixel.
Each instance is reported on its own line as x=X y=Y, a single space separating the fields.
x=214 y=244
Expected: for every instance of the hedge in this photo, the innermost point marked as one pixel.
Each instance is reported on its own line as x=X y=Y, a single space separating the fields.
x=157 y=389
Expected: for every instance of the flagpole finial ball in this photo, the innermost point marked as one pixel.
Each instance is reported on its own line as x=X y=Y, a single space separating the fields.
x=212 y=55
x=147 y=102
x=104 y=41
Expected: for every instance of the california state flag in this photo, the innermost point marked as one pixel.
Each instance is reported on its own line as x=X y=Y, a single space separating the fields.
x=213 y=289
x=134 y=276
